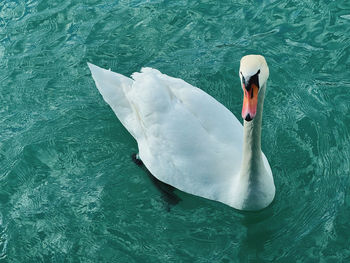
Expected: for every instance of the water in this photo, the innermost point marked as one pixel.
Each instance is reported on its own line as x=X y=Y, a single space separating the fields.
x=69 y=191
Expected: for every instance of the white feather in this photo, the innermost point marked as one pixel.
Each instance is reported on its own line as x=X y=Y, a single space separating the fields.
x=185 y=137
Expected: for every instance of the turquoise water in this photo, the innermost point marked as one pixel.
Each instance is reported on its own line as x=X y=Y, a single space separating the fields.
x=68 y=189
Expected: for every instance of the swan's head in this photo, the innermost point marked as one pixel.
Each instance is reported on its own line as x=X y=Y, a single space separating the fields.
x=253 y=72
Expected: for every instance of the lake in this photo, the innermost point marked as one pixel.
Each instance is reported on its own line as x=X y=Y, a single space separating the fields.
x=69 y=190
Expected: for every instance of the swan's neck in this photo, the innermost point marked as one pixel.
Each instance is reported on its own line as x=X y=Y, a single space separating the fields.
x=254 y=187
x=252 y=158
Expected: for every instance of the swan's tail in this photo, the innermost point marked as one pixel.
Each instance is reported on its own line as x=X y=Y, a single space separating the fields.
x=114 y=88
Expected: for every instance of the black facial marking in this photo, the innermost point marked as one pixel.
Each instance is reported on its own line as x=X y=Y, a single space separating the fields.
x=253 y=80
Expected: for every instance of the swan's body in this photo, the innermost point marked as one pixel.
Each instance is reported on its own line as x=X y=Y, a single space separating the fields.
x=188 y=139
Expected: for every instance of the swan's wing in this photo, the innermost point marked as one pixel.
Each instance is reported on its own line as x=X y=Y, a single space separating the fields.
x=189 y=140
x=212 y=115
x=113 y=88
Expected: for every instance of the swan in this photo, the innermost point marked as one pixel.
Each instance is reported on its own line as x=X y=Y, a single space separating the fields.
x=189 y=140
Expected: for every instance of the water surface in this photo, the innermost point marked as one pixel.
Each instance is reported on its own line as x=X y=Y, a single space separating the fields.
x=69 y=191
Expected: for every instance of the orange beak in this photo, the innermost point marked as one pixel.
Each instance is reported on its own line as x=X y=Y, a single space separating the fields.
x=250 y=102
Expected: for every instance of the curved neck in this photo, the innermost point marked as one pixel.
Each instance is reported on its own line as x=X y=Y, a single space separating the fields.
x=252 y=157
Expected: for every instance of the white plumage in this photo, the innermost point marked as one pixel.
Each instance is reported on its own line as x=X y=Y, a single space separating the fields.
x=185 y=137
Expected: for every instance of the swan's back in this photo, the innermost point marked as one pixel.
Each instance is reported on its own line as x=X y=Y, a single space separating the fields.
x=185 y=137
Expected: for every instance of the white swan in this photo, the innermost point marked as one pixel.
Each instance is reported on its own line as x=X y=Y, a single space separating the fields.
x=189 y=140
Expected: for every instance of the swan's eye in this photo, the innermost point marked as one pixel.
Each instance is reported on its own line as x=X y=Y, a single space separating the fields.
x=243 y=79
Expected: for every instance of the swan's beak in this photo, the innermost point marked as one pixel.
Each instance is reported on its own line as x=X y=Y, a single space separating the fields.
x=250 y=101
